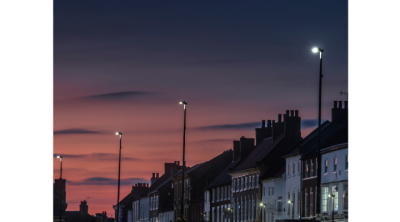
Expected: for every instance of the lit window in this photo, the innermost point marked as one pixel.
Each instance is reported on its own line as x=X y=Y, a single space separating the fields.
x=324 y=197
x=345 y=198
x=306 y=170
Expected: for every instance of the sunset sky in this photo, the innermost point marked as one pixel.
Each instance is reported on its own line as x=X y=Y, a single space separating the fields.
x=124 y=66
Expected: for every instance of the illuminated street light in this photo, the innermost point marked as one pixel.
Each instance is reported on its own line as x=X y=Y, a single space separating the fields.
x=183 y=154
x=60 y=157
x=315 y=50
x=119 y=172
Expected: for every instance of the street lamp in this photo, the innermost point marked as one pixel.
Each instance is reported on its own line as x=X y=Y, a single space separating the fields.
x=119 y=171
x=316 y=50
x=183 y=155
x=60 y=157
x=333 y=204
x=291 y=202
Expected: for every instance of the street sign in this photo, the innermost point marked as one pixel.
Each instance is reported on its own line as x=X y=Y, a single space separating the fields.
x=318 y=217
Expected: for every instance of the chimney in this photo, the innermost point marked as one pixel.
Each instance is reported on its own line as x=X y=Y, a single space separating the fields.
x=157 y=176
x=177 y=162
x=153 y=179
x=292 y=127
x=263 y=132
x=236 y=150
x=84 y=208
x=279 y=118
x=339 y=114
x=246 y=146
x=278 y=128
x=171 y=168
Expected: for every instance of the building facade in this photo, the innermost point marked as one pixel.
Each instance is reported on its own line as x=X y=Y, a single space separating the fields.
x=334 y=181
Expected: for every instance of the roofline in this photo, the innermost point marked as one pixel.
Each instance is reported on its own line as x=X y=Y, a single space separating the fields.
x=335 y=147
x=291 y=154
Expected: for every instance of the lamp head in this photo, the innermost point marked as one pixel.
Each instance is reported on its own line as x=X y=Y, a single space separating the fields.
x=329 y=195
x=59 y=157
x=316 y=49
x=184 y=103
x=118 y=133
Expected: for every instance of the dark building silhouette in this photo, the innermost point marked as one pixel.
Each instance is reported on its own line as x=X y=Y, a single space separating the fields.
x=195 y=184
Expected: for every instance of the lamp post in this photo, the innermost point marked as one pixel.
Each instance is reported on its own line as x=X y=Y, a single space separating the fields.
x=119 y=172
x=333 y=205
x=316 y=50
x=60 y=157
x=183 y=155
x=291 y=202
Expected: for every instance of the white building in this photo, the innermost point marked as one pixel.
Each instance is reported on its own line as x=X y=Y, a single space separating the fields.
x=293 y=185
x=144 y=209
x=334 y=182
x=136 y=211
x=273 y=198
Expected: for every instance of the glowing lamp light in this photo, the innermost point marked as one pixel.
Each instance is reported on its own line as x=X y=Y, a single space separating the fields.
x=58 y=157
x=180 y=102
x=315 y=50
x=116 y=133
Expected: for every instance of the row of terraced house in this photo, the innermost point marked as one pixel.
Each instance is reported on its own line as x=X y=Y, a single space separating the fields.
x=272 y=177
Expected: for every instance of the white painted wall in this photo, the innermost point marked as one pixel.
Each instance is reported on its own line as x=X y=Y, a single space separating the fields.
x=338 y=177
x=293 y=185
x=269 y=212
x=135 y=211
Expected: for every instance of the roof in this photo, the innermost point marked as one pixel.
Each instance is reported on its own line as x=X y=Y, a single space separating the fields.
x=224 y=178
x=276 y=170
x=259 y=153
x=331 y=134
x=295 y=150
x=164 y=179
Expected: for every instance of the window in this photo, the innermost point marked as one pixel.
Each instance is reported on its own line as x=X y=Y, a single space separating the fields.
x=272 y=190
x=324 y=199
x=347 y=162
x=312 y=169
x=316 y=166
x=306 y=203
x=335 y=164
x=269 y=191
x=172 y=186
x=254 y=182
x=294 y=167
x=311 y=203
x=245 y=183
x=294 y=201
x=306 y=170
x=288 y=168
x=298 y=201
x=335 y=199
x=234 y=210
x=242 y=184
x=299 y=170
x=315 y=199
x=233 y=185
x=345 y=197
x=288 y=208
x=250 y=181
x=280 y=204
x=326 y=166
x=257 y=181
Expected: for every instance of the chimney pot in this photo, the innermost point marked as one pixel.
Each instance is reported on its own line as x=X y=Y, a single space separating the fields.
x=296 y=113
x=153 y=175
x=178 y=162
x=263 y=124
x=291 y=112
x=340 y=104
x=273 y=122
x=287 y=112
x=334 y=104
x=346 y=105
x=157 y=175
x=269 y=123
x=279 y=118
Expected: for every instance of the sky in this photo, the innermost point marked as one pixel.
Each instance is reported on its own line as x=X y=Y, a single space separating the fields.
x=124 y=66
